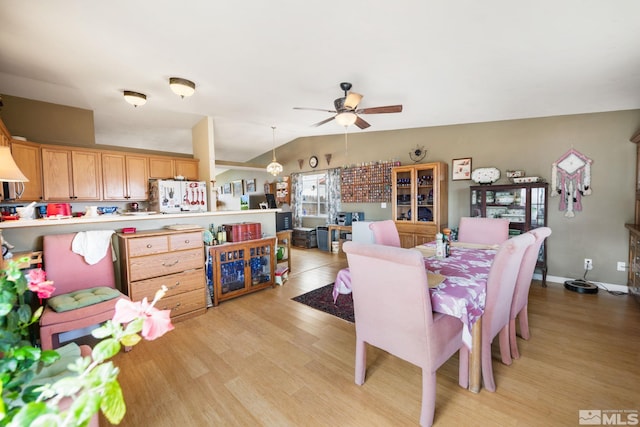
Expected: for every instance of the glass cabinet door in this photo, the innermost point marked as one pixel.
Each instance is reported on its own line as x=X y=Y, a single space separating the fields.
x=260 y=264
x=538 y=198
x=403 y=187
x=424 y=194
x=232 y=275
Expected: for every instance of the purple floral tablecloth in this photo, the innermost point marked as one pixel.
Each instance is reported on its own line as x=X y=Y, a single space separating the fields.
x=463 y=292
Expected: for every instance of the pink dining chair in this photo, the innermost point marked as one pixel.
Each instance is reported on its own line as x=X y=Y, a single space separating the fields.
x=392 y=308
x=495 y=319
x=70 y=272
x=521 y=292
x=385 y=233
x=488 y=231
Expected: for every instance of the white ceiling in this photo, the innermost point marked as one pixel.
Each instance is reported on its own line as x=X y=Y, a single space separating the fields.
x=447 y=62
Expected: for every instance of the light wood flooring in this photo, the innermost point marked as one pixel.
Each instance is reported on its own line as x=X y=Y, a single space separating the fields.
x=265 y=360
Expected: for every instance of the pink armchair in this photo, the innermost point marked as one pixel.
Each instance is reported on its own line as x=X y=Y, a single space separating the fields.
x=488 y=231
x=495 y=320
x=392 y=308
x=521 y=293
x=70 y=272
x=385 y=233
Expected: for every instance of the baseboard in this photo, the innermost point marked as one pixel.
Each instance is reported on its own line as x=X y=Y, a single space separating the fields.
x=561 y=280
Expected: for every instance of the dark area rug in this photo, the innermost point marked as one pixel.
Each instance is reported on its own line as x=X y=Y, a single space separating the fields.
x=322 y=299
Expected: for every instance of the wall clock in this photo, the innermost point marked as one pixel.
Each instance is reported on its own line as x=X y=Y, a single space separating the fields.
x=313 y=161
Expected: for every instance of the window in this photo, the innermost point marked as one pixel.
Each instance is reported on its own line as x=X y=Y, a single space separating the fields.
x=314 y=195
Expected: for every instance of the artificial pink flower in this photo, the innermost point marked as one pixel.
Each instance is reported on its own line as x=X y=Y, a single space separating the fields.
x=43 y=289
x=155 y=322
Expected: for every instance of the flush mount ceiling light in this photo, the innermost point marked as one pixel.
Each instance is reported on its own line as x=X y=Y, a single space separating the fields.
x=274 y=168
x=135 y=98
x=346 y=119
x=182 y=87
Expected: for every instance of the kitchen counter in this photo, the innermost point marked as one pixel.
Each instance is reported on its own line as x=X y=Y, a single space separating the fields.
x=26 y=235
x=106 y=218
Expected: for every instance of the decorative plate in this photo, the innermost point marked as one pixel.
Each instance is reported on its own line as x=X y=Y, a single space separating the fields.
x=485 y=175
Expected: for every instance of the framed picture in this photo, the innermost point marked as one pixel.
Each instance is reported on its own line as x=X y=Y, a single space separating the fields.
x=226 y=189
x=237 y=187
x=251 y=185
x=461 y=169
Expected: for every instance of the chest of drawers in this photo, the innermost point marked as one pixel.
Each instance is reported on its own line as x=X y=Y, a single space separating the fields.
x=175 y=259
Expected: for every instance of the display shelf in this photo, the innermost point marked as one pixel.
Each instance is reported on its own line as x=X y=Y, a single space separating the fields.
x=367 y=183
x=419 y=202
x=524 y=205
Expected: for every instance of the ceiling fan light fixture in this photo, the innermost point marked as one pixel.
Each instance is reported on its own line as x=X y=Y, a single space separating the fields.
x=274 y=168
x=135 y=98
x=352 y=100
x=182 y=87
x=346 y=119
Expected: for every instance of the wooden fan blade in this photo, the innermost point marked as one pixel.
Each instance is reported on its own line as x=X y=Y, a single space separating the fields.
x=322 y=122
x=315 y=109
x=380 y=110
x=361 y=123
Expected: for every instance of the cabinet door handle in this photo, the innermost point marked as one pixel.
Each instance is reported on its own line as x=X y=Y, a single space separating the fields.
x=174 y=286
x=172 y=264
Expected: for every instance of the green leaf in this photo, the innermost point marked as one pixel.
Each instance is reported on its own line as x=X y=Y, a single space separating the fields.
x=85 y=406
x=5 y=308
x=105 y=349
x=28 y=413
x=134 y=326
x=49 y=356
x=130 y=340
x=112 y=405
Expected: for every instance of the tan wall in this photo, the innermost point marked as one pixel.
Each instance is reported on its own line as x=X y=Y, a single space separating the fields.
x=532 y=145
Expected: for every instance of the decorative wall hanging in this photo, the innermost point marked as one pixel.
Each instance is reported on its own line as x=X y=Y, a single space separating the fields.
x=571 y=179
x=418 y=154
x=461 y=169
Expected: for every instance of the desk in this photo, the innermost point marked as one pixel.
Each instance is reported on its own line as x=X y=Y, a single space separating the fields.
x=339 y=228
x=462 y=294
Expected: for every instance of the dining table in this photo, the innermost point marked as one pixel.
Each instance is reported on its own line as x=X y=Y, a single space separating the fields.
x=458 y=287
x=462 y=292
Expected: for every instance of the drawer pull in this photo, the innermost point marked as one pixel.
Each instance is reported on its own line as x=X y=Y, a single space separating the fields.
x=149 y=246
x=174 y=286
x=187 y=241
x=172 y=264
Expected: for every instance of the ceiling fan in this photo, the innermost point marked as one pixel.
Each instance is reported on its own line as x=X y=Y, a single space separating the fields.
x=346 y=111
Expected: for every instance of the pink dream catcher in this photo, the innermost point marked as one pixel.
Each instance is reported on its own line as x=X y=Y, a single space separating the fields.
x=571 y=179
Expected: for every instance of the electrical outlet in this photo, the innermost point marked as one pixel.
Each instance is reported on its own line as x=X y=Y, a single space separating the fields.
x=588 y=264
x=622 y=266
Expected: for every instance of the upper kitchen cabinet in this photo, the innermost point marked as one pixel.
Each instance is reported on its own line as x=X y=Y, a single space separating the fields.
x=27 y=157
x=71 y=174
x=170 y=167
x=5 y=136
x=420 y=208
x=125 y=176
x=187 y=168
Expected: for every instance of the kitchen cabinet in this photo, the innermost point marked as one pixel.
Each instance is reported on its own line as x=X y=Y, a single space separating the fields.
x=5 y=135
x=170 y=167
x=27 y=157
x=187 y=168
x=124 y=176
x=243 y=267
x=524 y=205
x=71 y=174
x=150 y=259
x=420 y=203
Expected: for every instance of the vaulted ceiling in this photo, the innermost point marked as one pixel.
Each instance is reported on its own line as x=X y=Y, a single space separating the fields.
x=446 y=62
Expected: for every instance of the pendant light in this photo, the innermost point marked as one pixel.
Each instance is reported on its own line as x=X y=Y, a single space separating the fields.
x=274 y=168
x=135 y=98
